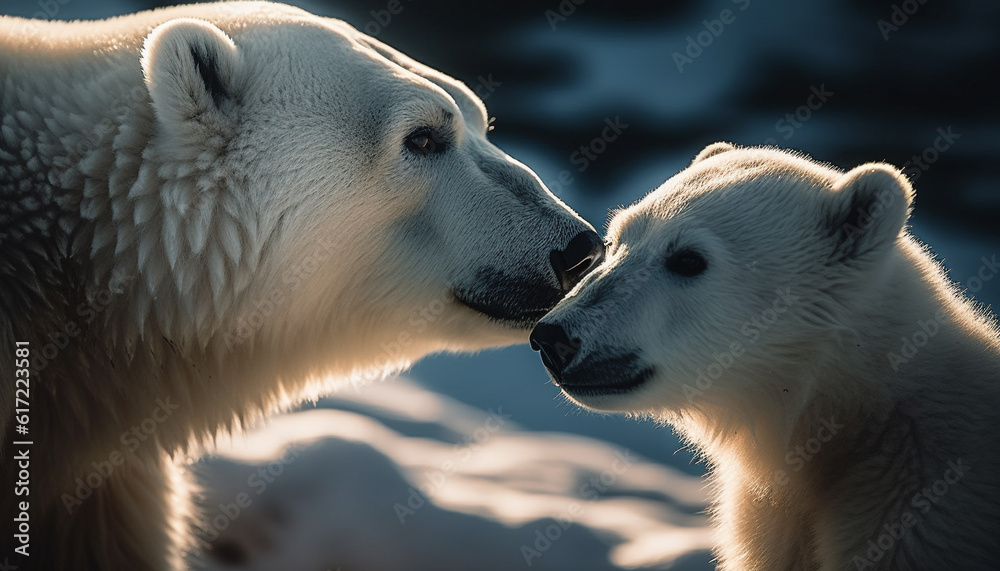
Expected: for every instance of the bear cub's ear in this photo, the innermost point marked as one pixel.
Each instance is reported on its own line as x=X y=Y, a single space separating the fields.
x=867 y=210
x=712 y=150
x=190 y=67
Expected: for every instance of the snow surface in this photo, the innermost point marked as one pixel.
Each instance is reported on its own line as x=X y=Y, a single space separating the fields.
x=394 y=476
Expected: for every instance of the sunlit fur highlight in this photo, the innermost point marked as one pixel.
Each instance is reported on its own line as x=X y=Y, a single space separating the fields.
x=765 y=220
x=224 y=187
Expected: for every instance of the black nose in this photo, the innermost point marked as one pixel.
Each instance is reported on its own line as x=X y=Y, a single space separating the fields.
x=583 y=253
x=557 y=349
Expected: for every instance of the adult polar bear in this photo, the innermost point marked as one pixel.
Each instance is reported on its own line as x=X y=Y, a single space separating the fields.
x=206 y=209
x=777 y=313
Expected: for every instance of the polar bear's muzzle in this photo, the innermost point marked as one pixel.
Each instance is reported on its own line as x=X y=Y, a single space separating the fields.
x=587 y=376
x=521 y=299
x=583 y=253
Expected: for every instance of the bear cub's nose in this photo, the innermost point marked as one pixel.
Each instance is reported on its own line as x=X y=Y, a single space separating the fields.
x=556 y=348
x=583 y=253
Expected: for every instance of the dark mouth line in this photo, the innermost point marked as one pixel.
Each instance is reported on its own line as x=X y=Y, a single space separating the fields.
x=525 y=320
x=610 y=389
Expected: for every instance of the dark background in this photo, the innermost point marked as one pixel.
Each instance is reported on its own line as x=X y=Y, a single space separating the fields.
x=616 y=59
x=563 y=67
x=609 y=59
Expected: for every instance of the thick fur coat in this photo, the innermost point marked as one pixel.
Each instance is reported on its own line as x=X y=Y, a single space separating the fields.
x=207 y=211
x=777 y=313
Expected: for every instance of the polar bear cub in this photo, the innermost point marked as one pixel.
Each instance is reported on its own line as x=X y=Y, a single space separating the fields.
x=777 y=313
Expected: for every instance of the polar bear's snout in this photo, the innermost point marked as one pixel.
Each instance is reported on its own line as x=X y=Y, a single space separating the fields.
x=583 y=253
x=521 y=298
x=583 y=374
x=556 y=348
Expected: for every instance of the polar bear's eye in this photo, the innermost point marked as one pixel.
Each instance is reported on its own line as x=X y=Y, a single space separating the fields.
x=687 y=263
x=424 y=141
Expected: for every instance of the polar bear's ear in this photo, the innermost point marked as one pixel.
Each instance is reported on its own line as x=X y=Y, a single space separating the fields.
x=711 y=151
x=869 y=208
x=190 y=71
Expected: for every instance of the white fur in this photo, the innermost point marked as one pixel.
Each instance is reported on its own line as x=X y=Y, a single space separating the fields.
x=217 y=201
x=792 y=338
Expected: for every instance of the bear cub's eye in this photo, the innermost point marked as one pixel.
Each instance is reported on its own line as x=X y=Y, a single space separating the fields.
x=424 y=141
x=687 y=263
